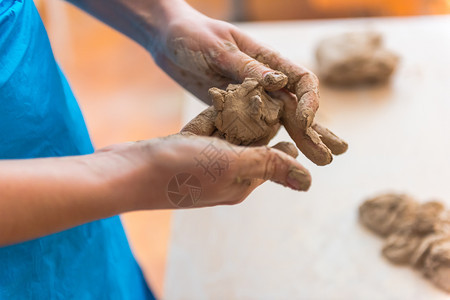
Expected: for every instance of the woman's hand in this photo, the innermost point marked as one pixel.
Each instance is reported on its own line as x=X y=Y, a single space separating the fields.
x=191 y=171
x=43 y=196
x=200 y=53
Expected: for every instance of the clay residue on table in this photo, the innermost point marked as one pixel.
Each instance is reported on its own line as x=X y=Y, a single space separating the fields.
x=417 y=234
x=355 y=58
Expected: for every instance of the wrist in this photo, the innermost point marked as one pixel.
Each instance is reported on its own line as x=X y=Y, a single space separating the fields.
x=126 y=171
x=112 y=172
x=163 y=15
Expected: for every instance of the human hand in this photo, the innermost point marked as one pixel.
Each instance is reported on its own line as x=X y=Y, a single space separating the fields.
x=246 y=115
x=182 y=172
x=200 y=53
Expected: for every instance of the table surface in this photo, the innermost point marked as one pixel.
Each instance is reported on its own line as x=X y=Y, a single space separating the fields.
x=282 y=244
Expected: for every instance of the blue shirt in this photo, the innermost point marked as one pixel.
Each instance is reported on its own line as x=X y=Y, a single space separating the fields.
x=39 y=117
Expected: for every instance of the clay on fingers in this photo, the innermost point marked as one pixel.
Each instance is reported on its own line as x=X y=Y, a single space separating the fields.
x=202 y=124
x=287 y=148
x=309 y=141
x=333 y=142
x=245 y=114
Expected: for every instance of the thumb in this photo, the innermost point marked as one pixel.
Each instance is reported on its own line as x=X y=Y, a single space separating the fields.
x=239 y=66
x=272 y=164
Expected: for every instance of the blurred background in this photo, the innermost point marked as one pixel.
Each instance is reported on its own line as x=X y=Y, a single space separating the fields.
x=125 y=97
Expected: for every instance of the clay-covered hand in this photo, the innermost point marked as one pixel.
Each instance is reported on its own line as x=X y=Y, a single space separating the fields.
x=192 y=171
x=200 y=53
x=317 y=142
x=245 y=114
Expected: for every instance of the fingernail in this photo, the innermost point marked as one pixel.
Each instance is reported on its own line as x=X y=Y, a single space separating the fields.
x=275 y=80
x=298 y=179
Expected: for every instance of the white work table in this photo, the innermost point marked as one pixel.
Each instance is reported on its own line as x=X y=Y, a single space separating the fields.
x=282 y=244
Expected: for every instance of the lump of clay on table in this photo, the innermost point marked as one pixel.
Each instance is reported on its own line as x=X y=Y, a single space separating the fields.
x=384 y=214
x=245 y=114
x=437 y=264
x=355 y=58
x=403 y=244
x=418 y=234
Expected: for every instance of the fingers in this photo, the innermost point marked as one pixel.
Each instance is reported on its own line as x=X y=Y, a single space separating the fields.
x=302 y=82
x=316 y=142
x=287 y=148
x=307 y=140
x=203 y=124
x=336 y=145
x=307 y=91
x=239 y=66
x=271 y=164
x=312 y=147
x=307 y=107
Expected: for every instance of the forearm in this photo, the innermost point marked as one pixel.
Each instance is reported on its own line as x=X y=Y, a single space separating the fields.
x=141 y=20
x=43 y=196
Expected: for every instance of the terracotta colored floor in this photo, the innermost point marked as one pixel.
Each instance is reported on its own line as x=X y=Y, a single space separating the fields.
x=124 y=97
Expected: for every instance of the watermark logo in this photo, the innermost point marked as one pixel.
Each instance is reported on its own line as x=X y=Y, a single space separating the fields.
x=248 y=126
x=213 y=161
x=184 y=190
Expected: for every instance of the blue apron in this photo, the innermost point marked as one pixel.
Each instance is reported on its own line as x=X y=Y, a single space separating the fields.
x=39 y=117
